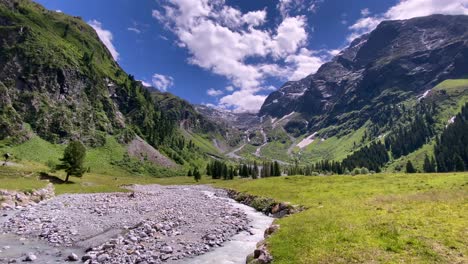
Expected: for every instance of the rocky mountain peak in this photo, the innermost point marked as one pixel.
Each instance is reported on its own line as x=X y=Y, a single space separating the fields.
x=401 y=57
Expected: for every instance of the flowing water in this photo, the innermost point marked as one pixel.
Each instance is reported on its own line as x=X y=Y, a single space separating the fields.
x=236 y=250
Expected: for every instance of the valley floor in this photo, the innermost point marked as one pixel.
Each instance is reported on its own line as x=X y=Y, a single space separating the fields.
x=381 y=218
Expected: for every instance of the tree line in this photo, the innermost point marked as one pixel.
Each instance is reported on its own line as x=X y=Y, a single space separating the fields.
x=451 y=149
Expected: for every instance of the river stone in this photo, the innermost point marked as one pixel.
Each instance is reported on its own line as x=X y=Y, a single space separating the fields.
x=30 y=257
x=167 y=249
x=72 y=257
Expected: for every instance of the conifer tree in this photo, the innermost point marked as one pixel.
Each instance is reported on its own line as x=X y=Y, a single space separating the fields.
x=410 y=168
x=196 y=174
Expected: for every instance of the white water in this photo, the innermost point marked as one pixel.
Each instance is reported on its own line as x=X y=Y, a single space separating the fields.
x=236 y=250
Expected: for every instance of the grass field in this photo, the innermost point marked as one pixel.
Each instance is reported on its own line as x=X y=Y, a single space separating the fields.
x=382 y=218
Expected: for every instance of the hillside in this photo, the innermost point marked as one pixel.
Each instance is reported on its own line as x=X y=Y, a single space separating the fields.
x=59 y=82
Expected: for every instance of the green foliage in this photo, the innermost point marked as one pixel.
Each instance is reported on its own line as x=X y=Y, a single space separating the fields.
x=451 y=150
x=406 y=139
x=219 y=170
x=372 y=157
x=73 y=160
x=196 y=174
x=136 y=167
x=429 y=164
x=409 y=167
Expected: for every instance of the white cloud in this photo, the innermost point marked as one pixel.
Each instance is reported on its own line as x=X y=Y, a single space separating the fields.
x=222 y=39
x=243 y=101
x=407 y=9
x=334 y=52
x=291 y=35
x=289 y=7
x=58 y=11
x=105 y=36
x=214 y=92
x=365 y=12
x=255 y=18
x=229 y=88
x=146 y=84
x=134 y=29
x=306 y=64
x=162 y=82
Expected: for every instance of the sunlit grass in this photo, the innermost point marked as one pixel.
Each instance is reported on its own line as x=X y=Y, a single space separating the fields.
x=381 y=218
x=384 y=218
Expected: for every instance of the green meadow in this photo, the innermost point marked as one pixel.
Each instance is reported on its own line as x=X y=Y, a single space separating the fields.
x=379 y=218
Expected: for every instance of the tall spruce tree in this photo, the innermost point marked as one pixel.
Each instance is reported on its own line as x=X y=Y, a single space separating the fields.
x=410 y=168
x=428 y=166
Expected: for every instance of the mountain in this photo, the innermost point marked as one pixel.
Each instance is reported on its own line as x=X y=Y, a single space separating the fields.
x=399 y=84
x=392 y=90
x=59 y=82
x=398 y=60
x=242 y=121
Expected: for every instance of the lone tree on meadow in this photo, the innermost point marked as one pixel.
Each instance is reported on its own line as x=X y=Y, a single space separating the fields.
x=73 y=159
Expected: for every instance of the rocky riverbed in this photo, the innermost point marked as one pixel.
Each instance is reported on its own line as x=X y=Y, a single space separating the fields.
x=154 y=224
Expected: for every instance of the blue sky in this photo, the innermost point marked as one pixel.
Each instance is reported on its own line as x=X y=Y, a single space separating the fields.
x=231 y=54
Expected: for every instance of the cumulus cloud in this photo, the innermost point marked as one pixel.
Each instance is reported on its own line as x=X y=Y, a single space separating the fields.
x=243 y=101
x=306 y=63
x=214 y=92
x=105 y=36
x=407 y=9
x=222 y=39
x=229 y=88
x=162 y=82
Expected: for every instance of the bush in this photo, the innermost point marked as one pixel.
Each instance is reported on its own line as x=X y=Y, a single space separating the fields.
x=356 y=171
x=364 y=171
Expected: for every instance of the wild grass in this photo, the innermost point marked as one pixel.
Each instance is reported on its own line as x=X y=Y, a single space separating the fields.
x=333 y=148
x=382 y=218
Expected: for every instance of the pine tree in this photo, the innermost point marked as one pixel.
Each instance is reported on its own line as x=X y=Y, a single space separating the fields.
x=196 y=174
x=428 y=165
x=459 y=164
x=276 y=169
x=410 y=168
x=255 y=171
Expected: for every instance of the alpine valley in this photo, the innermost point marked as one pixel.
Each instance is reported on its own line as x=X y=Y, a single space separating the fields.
x=393 y=102
x=59 y=82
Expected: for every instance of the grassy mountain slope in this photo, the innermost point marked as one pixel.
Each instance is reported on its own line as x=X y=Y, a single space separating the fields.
x=59 y=82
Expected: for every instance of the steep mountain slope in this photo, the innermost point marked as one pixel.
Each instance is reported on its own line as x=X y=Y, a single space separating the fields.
x=59 y=81
x=396 y=61
x=382 y=87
